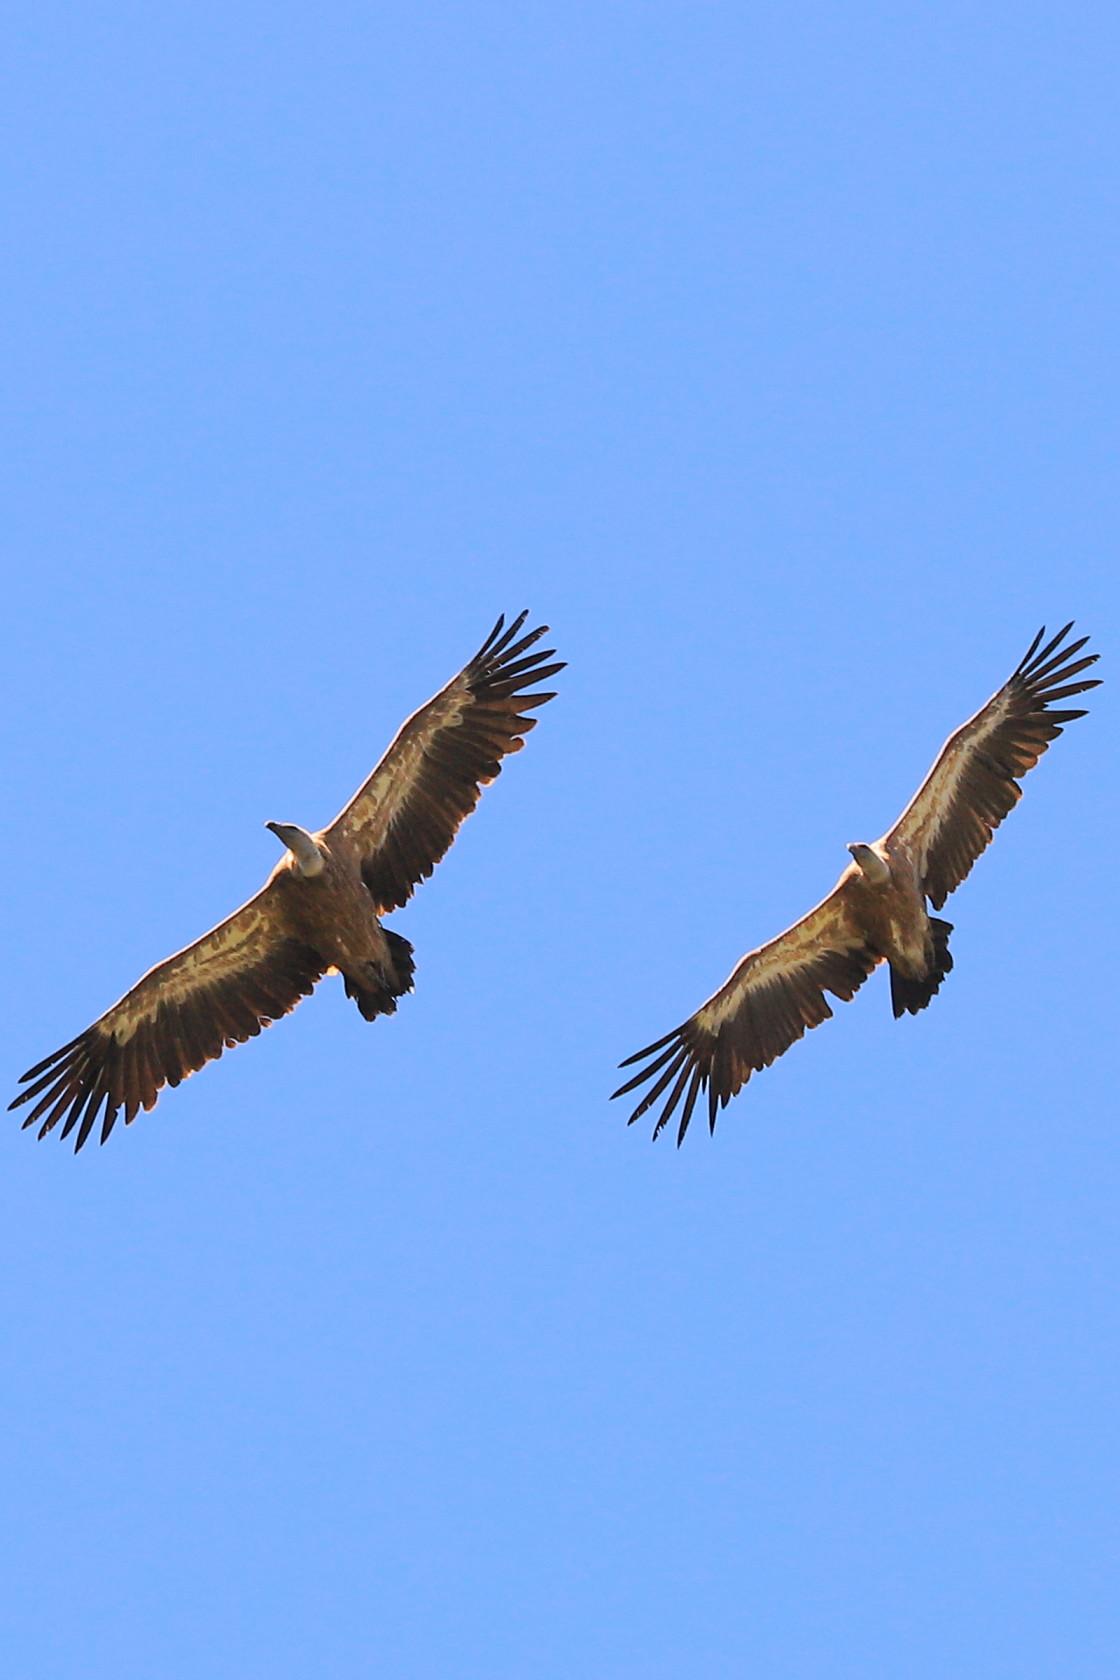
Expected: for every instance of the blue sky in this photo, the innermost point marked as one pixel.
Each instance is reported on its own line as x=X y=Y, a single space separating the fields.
x=769 y=354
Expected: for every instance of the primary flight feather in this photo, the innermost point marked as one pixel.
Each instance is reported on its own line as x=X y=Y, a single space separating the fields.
x=877 y=910
x=320 y=909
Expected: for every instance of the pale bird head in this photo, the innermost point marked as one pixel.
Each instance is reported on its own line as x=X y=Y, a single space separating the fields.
x=309 y=859
x=874 y=868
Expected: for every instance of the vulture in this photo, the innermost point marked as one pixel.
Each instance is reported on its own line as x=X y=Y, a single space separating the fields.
x=877 y=910
x=318 y=913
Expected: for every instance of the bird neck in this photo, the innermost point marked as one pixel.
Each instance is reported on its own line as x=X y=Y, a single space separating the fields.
x=309 y=859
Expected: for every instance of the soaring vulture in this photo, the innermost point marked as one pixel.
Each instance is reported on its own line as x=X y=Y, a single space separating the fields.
x=877 y=910
x=319 y=911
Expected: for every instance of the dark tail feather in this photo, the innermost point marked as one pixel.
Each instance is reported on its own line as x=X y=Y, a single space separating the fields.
x=401 y=952
x=913 y=995
x=376 y=992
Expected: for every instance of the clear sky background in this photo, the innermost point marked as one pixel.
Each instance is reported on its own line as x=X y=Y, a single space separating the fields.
x=769 y=353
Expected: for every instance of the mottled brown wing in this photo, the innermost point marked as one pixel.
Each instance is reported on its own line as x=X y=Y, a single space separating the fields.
x=406 y=816
x=221 y=990
x=972 y=786
x=773 y=996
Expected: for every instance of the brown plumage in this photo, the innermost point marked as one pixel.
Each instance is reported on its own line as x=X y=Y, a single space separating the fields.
x=877 y=910
x=319 y=910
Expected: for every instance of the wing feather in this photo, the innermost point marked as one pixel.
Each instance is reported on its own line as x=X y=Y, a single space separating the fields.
x=405 y=817
x=220 y=991
x=774 y=995
x=973 y=785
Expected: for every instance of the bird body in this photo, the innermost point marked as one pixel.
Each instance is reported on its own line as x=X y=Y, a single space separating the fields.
x=885 y=889
x=320 y=910
x=877 y=912
x=322 y=902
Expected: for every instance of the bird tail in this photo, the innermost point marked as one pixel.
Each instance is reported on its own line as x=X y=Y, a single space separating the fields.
x=913 y=995
x=376 y=990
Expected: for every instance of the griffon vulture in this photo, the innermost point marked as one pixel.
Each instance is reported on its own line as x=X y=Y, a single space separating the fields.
x=319 y=911
x=877 y=910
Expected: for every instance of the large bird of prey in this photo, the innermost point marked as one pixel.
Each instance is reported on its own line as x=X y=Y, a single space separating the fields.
x=877 y=910
x=319 y=911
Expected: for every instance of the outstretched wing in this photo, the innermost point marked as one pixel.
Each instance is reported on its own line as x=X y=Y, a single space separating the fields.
x=240 y=977
x=972 y=786
x=406 y=816
x=773 y=996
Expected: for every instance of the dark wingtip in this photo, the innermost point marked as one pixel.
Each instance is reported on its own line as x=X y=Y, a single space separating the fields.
x=648 y=1051
x=1043 y=670
x=1028 y=656
x=1033 y=657
x=489 y=642
x=48 y=1061
x=502 y=635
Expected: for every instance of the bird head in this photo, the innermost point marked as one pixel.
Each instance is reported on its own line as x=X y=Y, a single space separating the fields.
x=305 y=850
x=875 y=869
